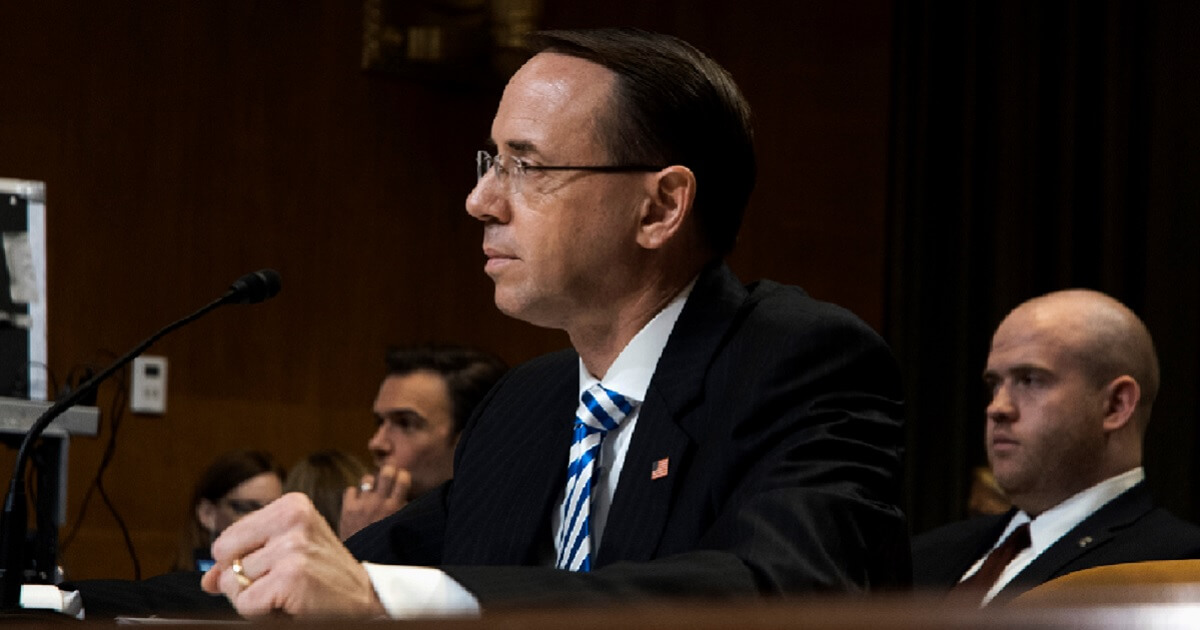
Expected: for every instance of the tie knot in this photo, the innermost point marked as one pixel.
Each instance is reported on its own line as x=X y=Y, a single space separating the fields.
x=603 y=409
x=1018 y=539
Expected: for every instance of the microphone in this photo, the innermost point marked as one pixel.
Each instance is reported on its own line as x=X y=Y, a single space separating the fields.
x=255 y=287
x=249 y=289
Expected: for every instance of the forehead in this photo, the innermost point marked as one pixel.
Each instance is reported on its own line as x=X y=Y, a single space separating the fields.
x=552 y=105
x=1031 y=337
x=261 y=486
x=423 y=391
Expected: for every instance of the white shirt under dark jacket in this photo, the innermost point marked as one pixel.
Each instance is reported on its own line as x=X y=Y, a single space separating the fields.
x=407 y=591
x=1049 y=526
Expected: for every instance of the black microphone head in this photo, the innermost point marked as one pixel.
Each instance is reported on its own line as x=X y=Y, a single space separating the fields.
x=254 y=287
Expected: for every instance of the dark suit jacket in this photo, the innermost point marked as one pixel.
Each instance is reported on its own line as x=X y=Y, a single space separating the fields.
x=1127 y=529
x=780 y=418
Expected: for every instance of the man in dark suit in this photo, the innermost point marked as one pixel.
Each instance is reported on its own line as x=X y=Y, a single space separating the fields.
x=1073 y=376
x=702 y=439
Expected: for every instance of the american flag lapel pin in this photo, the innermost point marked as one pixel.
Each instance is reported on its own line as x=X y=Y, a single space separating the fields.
x=659 y=469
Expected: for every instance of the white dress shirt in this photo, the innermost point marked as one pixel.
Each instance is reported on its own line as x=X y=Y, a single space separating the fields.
x=408 y=592
x=1049 y=526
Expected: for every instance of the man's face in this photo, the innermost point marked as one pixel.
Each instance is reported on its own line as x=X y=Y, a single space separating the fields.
x=556 y=245
x=416 y=429
x=1045 y=432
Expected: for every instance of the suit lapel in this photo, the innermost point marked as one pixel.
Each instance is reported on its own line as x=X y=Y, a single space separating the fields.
x=961 y=554
x=525 y=443
x=1087 y=536
x=642 y=502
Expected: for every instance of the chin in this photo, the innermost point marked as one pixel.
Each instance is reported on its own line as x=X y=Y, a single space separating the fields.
x=521 y=308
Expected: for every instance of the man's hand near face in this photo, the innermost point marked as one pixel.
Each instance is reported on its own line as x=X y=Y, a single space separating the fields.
x=377 y=497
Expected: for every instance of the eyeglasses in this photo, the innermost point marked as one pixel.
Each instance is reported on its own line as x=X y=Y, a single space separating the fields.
x=505 y=165
x=242 y=507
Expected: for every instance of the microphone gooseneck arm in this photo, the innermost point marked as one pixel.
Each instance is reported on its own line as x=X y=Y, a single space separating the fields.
x=250 y=288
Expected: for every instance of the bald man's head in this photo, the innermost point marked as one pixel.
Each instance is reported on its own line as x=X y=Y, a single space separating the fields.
x=1107 y=338
x=1073 y=375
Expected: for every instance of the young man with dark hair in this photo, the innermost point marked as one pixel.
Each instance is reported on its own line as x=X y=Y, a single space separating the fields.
x=422 y=405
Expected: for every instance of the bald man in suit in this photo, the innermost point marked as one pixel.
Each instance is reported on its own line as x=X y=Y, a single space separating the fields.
x=1073 y=376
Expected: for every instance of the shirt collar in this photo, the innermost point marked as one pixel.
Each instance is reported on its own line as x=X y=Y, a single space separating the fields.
x=631 y=372
x=1052 y=524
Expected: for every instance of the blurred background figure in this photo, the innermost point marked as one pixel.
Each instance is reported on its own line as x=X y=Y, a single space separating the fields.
x=986 y=497
x=324 y=477
x=234 y=485
x=423 y=403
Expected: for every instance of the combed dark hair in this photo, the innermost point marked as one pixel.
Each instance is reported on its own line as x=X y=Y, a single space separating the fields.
x=673 y=105
x=469 y=373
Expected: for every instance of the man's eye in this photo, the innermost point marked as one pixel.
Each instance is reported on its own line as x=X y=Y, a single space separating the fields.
x=405 y=424
x=1028 y=380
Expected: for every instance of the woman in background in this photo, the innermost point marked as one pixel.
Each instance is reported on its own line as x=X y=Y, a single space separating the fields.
x=234 y=485
x=324 y=477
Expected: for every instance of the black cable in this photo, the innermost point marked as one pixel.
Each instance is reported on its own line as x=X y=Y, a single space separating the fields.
x=249 y=289
x=116 y=415
x=87 y=495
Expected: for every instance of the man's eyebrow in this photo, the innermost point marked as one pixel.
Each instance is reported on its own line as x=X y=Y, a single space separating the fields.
x=400 y=413
x=521 y=147
x=1020 y=368
x=517 y=147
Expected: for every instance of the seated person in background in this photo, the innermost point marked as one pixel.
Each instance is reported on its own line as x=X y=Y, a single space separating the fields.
x=324 y=476
x=234 y=484
x=986 y=497
x=1073 y=376
x=703 y=439
x=422 y=405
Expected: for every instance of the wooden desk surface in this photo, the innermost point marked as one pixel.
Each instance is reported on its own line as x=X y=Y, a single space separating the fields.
x=1157 y=606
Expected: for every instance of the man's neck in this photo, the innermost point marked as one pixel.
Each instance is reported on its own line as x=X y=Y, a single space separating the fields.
x=1036 y=506
x=599 y=340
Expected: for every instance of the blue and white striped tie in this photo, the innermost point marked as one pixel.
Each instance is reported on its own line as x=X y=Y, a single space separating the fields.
x=600 y=411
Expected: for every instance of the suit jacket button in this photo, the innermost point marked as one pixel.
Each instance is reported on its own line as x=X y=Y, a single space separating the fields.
x=1085 y=541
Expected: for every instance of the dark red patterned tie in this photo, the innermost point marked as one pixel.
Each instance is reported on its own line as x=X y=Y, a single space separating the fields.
x=985 y=577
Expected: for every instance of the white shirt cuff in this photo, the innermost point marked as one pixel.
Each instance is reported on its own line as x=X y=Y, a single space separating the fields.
x=408 y=592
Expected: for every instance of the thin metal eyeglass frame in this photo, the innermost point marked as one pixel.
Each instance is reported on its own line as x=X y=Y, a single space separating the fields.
x=485 y=162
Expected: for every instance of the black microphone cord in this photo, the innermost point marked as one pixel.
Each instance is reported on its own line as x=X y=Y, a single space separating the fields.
x=116 y=416
x=250 y=288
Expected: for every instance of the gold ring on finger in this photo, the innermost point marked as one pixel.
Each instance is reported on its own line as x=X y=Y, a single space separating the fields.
x=240 y=572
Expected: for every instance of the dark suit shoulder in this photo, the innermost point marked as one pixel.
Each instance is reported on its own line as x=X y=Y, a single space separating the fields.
x=941 y=555
x=1156 y=535
x=960 y=531
x=793 y=333
x=552 y=362
x=769 y=300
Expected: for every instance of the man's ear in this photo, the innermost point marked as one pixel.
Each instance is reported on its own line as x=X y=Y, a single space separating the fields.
x=669 y=202
x=1121 y=398
x=206 y=513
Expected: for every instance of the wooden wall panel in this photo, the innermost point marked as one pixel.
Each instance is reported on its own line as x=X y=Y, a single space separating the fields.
x=185 y=143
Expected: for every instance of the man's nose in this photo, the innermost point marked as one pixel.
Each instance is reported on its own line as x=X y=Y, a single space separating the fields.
x=1001 y=408
x=379 y=444
x=485 y=201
